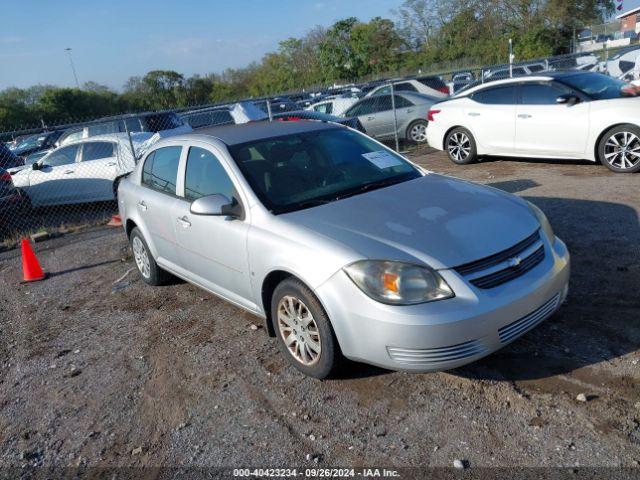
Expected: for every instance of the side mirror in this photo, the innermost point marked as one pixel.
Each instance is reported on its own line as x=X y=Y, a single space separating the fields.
x=36 y=166
x=567 y=99
x=216 y=205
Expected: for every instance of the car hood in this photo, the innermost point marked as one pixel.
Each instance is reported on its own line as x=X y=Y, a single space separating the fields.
x=437 y=220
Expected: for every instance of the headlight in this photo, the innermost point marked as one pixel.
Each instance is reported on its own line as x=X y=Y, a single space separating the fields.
x=544 y=223
x=398 y=283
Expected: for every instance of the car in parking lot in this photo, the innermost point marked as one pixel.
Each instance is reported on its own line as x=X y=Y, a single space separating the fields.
x=154 y=122
x=8 y=159
x=12 y=203
x=378 y=118
x=86 y=170
x=36 y=143
x=333 y=105
x=515 y=71
x=431 y=86
x=343 y=246
x=564 y=115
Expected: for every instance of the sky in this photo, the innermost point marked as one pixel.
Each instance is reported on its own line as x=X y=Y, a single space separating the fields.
x=115 y=39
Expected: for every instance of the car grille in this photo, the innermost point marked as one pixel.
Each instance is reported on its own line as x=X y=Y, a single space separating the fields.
x=434 y=356
x=517 y=328
x=489 y=272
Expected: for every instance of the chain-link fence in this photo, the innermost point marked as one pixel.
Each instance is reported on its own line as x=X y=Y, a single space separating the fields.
x=60 y=177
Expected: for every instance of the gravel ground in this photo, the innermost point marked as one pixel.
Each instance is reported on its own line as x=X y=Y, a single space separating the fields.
x=98 y=369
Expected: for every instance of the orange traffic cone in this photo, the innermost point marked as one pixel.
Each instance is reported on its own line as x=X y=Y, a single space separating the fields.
x=115 y=221
x=31 y=270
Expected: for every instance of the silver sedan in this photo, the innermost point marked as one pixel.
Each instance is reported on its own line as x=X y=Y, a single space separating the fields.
x=379 y=115
x=342 y=246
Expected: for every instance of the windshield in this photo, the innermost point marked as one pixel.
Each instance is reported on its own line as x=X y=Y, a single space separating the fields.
x=304 y=170
x=29 y=143
x=598 y=86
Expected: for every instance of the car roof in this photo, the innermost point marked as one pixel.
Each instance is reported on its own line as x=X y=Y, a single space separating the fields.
x=252 y=131
x=118 y=137
x=536 y=77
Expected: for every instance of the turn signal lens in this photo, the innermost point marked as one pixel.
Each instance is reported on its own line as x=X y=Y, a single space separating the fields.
x=430 y=115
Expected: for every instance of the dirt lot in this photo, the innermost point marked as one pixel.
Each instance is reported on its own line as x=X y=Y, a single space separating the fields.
x=98 y=369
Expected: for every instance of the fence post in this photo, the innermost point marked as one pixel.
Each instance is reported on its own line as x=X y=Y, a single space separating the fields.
x=395 y=118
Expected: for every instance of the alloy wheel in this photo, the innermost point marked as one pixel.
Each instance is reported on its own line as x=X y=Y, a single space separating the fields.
x=141 y=257
x=418 y=133
x=299 y=330
x=622 y=150
x=459 y=146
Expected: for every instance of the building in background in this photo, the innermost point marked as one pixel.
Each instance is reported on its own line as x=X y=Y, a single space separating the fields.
x=629 y=20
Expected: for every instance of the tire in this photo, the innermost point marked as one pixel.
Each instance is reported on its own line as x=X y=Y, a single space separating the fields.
x=417 y=132
x=116 y=183
x=619 y=149
x=25 y=204
x=303 y=337
x=149 y=270
x=461 y=146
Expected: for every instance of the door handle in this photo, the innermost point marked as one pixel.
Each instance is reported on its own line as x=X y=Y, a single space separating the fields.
x=474 y=114
x=67 y=172
x=371 y=118
x=409 y=110
x=143 y=206
x=184 y=221
x=111 y=164
x=524 y=115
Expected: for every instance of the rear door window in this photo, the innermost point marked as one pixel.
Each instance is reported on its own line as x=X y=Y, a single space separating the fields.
x=539 y=94
x=160 y=171
x=496 y=95
x=401 y=102
x=97 y=150
x=382 y=103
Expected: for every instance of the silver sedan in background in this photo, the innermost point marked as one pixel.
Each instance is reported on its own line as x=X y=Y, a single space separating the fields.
x=376 y=114
x=342 y=246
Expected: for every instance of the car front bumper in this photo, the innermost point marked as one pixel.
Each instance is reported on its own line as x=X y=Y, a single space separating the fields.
x=448 y=333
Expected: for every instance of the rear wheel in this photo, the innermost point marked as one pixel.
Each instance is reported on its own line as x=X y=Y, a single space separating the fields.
x=149 y=270
x=417 y=131
x=461 y=146
x=619 y=149
x=303 y=329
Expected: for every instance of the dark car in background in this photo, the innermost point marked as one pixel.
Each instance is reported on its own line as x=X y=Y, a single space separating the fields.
x=352 y=122
x=8 y=159
x=36 y=143
x=278 y=104
x=12 y=203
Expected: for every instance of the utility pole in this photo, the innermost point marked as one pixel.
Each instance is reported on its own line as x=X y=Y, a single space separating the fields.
x=510 y=58
x=73 y=68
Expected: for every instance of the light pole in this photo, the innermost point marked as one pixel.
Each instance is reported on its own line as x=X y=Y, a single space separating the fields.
x=73 y=68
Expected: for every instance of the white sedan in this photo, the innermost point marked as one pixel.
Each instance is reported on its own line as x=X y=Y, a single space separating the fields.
x=564 y=115
x=83 y=171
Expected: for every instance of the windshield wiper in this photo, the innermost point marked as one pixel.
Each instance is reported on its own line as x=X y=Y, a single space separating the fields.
x=371 y=186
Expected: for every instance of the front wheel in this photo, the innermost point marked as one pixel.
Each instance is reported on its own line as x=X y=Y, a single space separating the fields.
x=303 y=329
x=619 y=149
x=149 y=270
x=461 y=146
